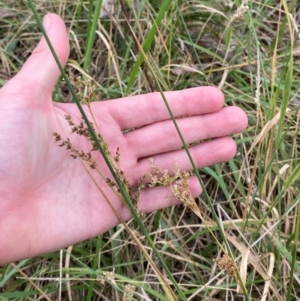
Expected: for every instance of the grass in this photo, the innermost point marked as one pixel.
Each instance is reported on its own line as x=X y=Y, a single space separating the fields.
x=251 y=55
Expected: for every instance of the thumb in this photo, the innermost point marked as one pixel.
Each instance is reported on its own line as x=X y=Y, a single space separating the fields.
x=40 y=71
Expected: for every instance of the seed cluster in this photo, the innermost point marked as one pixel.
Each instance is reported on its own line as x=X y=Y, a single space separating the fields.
x=178 y=184
x=128 y=292
x=227 y=264
x=81 y=130
x=85 y=90
x=108 y=276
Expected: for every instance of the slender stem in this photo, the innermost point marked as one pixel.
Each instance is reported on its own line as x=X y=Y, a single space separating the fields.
x=123 y=191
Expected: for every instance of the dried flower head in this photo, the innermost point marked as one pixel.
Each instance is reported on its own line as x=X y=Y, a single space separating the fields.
x=240 y=11
x=85 y=89
x=110 y=276
x=86 y=156
x=128 y=292
x=226 y=263
x=178 y=184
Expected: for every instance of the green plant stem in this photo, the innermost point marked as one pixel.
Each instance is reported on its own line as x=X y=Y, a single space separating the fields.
x=294 y=253
x=215 y=216
x=100 y=148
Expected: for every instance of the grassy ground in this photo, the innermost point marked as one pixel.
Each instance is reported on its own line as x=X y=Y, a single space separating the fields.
x=251 y=54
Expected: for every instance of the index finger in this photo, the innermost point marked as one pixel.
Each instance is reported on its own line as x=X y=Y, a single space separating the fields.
x=140 y=110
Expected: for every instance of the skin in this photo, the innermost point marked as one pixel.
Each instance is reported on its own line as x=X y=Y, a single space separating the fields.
x=47 y=199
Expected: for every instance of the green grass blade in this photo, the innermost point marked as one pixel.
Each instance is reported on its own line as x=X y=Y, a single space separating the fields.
x=147 y=43
x=91 y=31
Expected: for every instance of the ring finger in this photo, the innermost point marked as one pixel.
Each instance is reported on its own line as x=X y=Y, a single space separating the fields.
x=162 y=136
x=204 y=154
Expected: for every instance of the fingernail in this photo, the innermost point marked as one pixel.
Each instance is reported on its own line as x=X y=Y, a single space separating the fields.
x=46 y=22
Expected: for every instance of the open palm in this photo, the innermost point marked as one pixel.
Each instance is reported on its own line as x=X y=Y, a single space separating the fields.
x=47 y=199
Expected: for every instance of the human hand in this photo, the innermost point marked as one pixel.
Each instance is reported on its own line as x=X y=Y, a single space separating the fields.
x=47 y=199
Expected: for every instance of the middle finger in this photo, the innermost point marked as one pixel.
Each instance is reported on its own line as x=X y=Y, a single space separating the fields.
x=162 y=136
